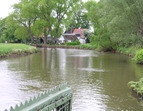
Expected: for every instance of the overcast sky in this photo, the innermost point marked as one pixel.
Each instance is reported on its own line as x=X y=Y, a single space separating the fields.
x=5 y=7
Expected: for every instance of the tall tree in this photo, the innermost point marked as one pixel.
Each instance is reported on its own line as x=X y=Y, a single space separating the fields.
x=11 y=25
x=78 y=18
x=38 y=28
x=2 y=26
x=46 y=8
x=124 y=21
x=102 y=36
x=63 y=9
x=26 y=13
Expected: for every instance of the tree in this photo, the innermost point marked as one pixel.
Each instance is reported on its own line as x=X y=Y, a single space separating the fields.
x=2 y=29
x=63 y=9
x=38 y=28
x=21 y=33
x=46 y=8
x=124 y=21
x=11 y=26
x=101 y=36
x=78 y=19
x=2 y=26
x=26 y=13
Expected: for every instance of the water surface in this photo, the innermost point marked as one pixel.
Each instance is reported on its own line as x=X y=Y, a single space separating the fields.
x=98 y=80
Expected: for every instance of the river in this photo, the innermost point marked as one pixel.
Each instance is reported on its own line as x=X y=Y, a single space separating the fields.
x=98 y=80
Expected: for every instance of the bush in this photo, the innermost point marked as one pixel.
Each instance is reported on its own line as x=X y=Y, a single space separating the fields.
x=89 y=45
x=137 y=86
x=139 y=56
x=73 y=43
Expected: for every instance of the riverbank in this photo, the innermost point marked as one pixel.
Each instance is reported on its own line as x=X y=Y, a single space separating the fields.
x=137 y=88
x=13 y=50
x=59 y=46
x=133 y=52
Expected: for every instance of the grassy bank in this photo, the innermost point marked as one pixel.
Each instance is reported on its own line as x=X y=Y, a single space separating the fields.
x=134 y=52
x=96 y=46
x=7 y=50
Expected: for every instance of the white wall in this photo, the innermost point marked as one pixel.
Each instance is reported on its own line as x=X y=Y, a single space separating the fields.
x=61 y=39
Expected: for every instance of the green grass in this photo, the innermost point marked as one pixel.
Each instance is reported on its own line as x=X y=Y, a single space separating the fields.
x=8 y=49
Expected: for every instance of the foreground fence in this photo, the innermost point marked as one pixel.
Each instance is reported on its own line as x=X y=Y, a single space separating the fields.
x=56 y=99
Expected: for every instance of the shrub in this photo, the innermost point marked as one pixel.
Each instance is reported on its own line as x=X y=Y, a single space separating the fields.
x=89 y=45
x=139 y=56
x=73 y=43
x=137 y=86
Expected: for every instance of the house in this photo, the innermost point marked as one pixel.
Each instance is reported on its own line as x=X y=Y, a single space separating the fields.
x=67 y=38
x=80 y=35
x=79 y=32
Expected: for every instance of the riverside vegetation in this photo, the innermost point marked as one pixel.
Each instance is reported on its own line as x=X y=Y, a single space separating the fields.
x=8 y=50
x=137 y=88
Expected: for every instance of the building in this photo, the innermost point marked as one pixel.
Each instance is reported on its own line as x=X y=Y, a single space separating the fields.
x=68 y=38
x=80 y=35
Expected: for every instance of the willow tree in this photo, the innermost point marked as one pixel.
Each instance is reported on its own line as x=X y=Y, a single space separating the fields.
x=101 y=35
x=124 y=21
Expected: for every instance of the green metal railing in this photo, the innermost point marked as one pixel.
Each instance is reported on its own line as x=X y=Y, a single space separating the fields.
x=56 y=99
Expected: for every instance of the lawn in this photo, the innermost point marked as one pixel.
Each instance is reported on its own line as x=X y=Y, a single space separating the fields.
x=9 y=49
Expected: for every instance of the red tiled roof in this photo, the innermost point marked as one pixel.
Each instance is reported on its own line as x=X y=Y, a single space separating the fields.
x=79 y=31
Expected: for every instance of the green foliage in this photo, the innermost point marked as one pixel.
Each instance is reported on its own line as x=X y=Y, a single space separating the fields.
x=87 y=33
x=123 y=20
x=137 y=86
x=21 y=33
x=7 y=49
x=2 y=27
x=38 y=26
x=11 y=28
x=2 y=39
x=78 y=18
x=73 y=43
x=128 y=51
x=139 y=56
x=89 y=46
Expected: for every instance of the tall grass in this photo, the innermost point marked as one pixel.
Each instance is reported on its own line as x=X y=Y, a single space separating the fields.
x=8 y=49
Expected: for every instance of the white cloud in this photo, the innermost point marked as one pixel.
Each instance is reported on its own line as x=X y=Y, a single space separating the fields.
x=5 y=7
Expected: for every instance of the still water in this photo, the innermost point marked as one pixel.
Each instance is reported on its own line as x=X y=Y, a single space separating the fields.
x=98 y=80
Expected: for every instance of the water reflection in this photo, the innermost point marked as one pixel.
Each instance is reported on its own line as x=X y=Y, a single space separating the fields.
x=98 y=80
